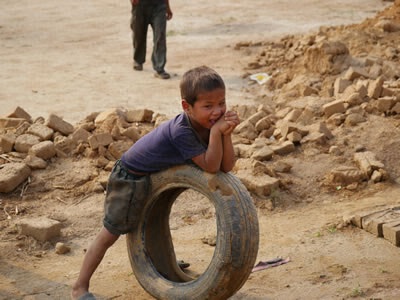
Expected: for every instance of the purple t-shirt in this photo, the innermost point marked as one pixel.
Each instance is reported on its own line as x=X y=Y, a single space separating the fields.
x=172 y=143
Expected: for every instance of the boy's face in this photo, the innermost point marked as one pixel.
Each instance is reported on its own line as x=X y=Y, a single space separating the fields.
x=207 y=110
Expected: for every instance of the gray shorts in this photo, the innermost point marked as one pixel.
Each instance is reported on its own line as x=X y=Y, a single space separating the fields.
x=125 y=198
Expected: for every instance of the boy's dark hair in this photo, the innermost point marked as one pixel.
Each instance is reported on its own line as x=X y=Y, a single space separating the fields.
x=198 y=80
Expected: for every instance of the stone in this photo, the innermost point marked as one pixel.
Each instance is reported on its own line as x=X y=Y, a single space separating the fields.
x=63 y=145
x=375 y=71
x=345 y=175
x=44 y=150
x=19 y=112
x=375 y=88
x=25 y=141
x=12 y=175
x=139 y=115
x=385 y=104
x=353 y=99
x=243 y=150
x=6 y=143
x=367 y=162
x=293 y=115
x=288 y=127
x=61 y=248
x=263 y=124
x=253 y=119
x=334 y=107
x=264 y=153
x=131 y=132
x=80 y=135
x=391 y=232
x=294 y=137
x=40 y=130
x=340 y=85
x=58 y=124
x=11 y=122
x=259 y=185
x=284 y=148
x=112 y=113
x=354 y=119
x=35 y=162
x=246 y=129
x=42 y=228
x=354 y=73
x=100 y=139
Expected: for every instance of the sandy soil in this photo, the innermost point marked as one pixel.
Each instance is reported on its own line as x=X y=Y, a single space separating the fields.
x=72 y=60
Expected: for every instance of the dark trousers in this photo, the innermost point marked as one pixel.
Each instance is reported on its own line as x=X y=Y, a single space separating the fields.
x=154 y=15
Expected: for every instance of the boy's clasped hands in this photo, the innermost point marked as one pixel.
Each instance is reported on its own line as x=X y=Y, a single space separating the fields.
x=228 y=122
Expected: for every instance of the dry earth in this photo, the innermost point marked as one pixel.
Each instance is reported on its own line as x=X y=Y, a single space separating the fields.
x=73 y=60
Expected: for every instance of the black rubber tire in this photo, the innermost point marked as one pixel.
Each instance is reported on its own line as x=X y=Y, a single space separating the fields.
x=151 y=251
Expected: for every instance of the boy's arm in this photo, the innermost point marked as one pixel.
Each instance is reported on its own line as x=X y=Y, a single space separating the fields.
x=228 y=157
x=210 y=161
x=220 y=153
x=231 y=119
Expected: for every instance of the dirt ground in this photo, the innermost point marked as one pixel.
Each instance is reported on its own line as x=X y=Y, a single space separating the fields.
x=72 y=59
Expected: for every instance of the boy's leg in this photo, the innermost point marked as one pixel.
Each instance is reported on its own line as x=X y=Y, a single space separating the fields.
x=91 y=261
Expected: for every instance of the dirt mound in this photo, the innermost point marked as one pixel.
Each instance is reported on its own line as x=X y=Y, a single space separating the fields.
x=328 y=52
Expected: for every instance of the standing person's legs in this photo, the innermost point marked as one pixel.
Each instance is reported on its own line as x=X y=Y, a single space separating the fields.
x=140 y=34
x=159 y=26
x=93 y=257
x=137 y=66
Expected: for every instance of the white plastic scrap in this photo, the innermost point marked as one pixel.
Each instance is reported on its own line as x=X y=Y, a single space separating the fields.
x=261 y=78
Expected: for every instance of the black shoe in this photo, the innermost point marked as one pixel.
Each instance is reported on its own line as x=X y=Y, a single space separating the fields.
x=137 y=66
x=162 y=75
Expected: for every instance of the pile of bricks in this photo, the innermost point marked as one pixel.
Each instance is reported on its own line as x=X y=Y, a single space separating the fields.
x=381 y=222
x=27 y=145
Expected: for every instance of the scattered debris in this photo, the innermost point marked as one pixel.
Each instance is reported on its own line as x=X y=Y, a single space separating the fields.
x=262 y=265
x=61 y=248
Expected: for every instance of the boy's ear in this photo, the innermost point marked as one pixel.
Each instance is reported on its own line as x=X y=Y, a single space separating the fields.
x=185 y=105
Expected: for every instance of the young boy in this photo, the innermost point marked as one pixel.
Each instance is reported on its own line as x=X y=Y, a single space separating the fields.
x=201 y=134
